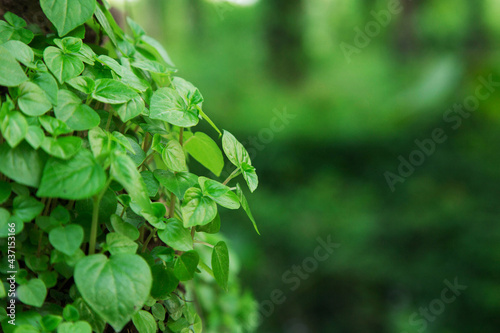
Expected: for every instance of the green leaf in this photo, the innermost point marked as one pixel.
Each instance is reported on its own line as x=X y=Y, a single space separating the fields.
x=185 y=265
x=66 y=15
x=77 y=178
x=173 y=156
x=124 y=171
x=50 y=322
x=48 y=84
x=14 y=20
x=169 y=106
x=158 y=311
x=69 y=44
x=137 y=30
x=32 y=293
x=138 y=156
x=84 y=84
x=118 y=243
x=124 y=228
x=112 y=91
x=32 y=100
x=250 y=176
x=235 y=152
x=86 y=314
x=63 y=147
x=54 y=126
x=67 y=239
x=21 y=52
x=164 y=281
x=48 y=278
x=76 y=115
x=34 y=136
x=114 y=288
x=177 y=183
x=187 y=90
x=22 y=164
x=245 y=206
x=155 y=47
x=197 y=209
x=176 y=236
x=220 y=264
x=211 y=228
x=151 y=183
x=205 y=151
x=70 y=313
x=63 y=66
x=219 y=193
x=77 y=327
x=107 y=22
x=144 y=322
x=5 y=191
x=11 y=73
x=130 y=109
x=6 y=221
x=26 y=208
x=14 y=127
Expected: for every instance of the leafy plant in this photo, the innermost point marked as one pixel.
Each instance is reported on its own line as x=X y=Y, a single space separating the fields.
x=96 y=138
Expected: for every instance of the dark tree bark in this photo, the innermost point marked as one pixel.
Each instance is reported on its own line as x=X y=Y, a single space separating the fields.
x=29 y=10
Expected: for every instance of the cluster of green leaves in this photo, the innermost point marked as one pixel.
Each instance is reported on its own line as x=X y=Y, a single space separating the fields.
x=94 y=177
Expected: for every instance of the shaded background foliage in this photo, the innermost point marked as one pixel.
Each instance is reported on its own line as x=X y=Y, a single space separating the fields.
x=324 y=173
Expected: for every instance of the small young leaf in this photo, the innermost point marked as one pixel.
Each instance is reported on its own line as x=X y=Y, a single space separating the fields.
x=158 y=311
x=185 y=265
x=50 y=322
x=124 y=228
x=174 y=157
x=220 y=264
x=14 y=127
x=245 y=206
x=54 y=126
x=144 y=322
x=70 y=313
x=219 y=193
x=205 y=151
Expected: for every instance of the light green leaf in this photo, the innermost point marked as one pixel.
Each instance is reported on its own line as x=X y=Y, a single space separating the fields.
x=11 y=73
x=22 y=164
x=63 y=147
x=77 y=178
x=158 y=311
x=118 y=243
x=107 y=23
x=178 y=183
x=32 y=293
x=235 y=151
x=76 y=327
x=250 y=176
x=124 y=228
x=66 y=15
x=84 y=84
x=176 y=236
x=54 y=126
x=245 y=206
x=169 y=106
x=46 y=81
x=188 y=91
x=185 y=265
x=26 y=208
x=32 y=99
x=14 y=127
x=115 y=288
x=173 y=156
x=34 y=136
x=6 y=221
x=70 y=109
x=197 y=209
x=112 y=91
x=69 y=44
x=220 y=264
x=21 y=52
x=155 y=47
x=151 y=66
x=205 y=151
x=67 y=239
x=130 y=109
x=219 y=193
x=63 y=66
x=144 y=322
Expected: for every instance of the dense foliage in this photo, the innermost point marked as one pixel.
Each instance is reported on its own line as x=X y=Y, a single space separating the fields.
x=100 y=217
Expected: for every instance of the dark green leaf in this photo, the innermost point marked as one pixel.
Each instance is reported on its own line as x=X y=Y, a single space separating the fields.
x=211 y=228
x=5 y=191
x=178 y=183
x=220 y=264
x=164 y=281
x=176 y=236
x=70 y=313
x=50 y=322
x=77 y=178
x=185 y=265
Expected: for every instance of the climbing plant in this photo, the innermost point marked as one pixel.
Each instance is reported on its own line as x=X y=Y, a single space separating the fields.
x=102 y=224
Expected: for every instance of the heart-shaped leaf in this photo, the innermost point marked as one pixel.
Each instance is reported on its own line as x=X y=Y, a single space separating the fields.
x=185 y=265
x=66 y=15
x=197 y=209
x=11 y=73
x=32 y=293
x=63 y=66
x=32 y=99
x=116 y=287
x=144 y=322
x=76 y=327
x=67 y=239
x=168 y=105
x=176 y=236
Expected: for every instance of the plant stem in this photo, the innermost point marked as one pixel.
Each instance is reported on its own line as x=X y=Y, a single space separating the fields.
x=231 y=176
x=181 y=134
x=108 y=123
x=204 y=243
x=95 y=223
x=151 y=234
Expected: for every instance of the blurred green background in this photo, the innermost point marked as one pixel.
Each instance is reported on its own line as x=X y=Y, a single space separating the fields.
x=322 y=172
